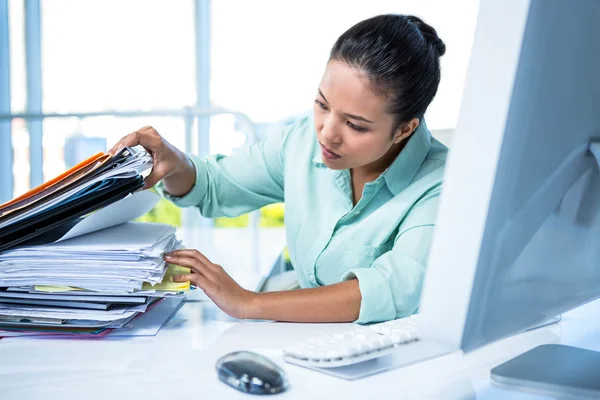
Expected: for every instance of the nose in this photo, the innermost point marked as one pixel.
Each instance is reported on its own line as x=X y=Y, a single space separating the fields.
x=329 y=132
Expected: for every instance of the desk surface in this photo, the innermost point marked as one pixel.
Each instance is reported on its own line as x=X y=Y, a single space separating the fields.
x=179 y=361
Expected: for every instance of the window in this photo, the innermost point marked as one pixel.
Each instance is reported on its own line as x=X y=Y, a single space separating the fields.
x=117 y=55
x=267 y=58
x=268 y=55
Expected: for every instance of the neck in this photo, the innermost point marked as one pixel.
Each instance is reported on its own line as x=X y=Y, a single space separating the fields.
x=371 y=171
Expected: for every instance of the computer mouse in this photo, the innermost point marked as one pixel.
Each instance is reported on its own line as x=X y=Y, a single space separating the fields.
x=251 y=373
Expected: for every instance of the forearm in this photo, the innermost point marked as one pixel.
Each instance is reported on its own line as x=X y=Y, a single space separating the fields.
x=333 y=303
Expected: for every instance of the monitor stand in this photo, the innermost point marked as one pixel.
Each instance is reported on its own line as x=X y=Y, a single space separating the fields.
x=552 y=369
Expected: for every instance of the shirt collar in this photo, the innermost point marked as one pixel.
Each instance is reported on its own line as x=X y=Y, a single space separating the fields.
x=406 y=165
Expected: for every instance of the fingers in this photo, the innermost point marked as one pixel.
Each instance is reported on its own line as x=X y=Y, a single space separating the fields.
x=115 y=149
x=160 y=169
x=182 y=261
x=186 y=277
x=145 y=137
x=154 y=177
x=125 y=140
x=166 y=159
x=151 y=180
x=191 y=263
x=194 y=279
x=192 y=254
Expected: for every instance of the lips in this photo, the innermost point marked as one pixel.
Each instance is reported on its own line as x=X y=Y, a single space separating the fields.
x=328 y=153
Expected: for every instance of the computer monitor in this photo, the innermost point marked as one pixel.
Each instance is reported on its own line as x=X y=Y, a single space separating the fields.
x=518 y=232
x=517 y=238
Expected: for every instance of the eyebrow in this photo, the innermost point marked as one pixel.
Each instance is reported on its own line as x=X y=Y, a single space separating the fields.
x=322 y=95
x=357 y=117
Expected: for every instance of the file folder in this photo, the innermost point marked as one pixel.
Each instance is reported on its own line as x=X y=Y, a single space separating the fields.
x=68 y=211
x=91 y=185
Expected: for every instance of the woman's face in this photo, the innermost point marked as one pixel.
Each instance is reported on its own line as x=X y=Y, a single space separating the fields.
x=352 y=124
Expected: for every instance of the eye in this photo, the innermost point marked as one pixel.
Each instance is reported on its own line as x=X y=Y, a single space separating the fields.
x=323 y=106
x=356 y=127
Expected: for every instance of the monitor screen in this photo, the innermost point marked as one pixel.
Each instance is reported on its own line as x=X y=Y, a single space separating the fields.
x=540 y=251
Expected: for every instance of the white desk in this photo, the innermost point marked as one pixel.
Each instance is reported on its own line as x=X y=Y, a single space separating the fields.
x=179 y=361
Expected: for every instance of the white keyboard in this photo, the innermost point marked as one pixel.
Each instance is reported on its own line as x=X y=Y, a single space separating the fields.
x=361 y=343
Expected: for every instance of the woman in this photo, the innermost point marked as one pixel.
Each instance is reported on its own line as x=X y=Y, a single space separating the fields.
x=360 y=180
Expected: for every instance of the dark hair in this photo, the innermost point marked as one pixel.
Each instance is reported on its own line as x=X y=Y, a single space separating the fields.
x=400 y=55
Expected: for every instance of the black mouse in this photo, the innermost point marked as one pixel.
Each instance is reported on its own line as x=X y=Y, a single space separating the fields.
x=251 y=373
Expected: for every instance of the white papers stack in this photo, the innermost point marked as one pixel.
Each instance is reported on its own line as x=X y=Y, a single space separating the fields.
x=117 y=259
x=98 y=274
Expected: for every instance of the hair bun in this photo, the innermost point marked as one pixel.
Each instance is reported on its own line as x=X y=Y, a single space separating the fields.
x=429 y=34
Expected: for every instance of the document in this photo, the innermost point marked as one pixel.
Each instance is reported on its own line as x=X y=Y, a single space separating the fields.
x=71 y=259
x=97 y=184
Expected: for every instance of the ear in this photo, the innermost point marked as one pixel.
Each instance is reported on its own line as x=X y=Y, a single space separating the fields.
x=405 y=130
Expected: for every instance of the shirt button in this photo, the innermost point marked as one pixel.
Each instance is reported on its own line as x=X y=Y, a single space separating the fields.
x=358 y=212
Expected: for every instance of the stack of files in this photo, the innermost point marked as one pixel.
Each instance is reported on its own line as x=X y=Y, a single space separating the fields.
x=94 y=282
x=71 y=260
x=89 y=186
x=113 y=260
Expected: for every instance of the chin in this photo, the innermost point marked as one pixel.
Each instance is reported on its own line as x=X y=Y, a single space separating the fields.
x=334 y=164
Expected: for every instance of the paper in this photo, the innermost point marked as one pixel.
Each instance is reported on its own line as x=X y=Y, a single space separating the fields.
x=150 y=322
x=67 y=315
x=35 y=193
x=167 y=282
x=77 y=295
x=53 y=289
x=78 y=189
x=46 y=190
x=57 y=303
x=118 y=259
x=127 y=236
x=130 y=208
x=77 y=269
x=75 y=192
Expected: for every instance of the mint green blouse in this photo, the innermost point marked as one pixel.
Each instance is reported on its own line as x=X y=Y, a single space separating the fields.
x=383 y=241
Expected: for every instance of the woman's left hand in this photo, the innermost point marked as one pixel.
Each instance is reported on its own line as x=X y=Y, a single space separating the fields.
x=220 y=287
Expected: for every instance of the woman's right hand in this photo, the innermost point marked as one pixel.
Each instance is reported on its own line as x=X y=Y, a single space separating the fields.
x=168 y=162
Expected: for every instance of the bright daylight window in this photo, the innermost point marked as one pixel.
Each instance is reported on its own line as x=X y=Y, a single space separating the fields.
x=266 y=60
